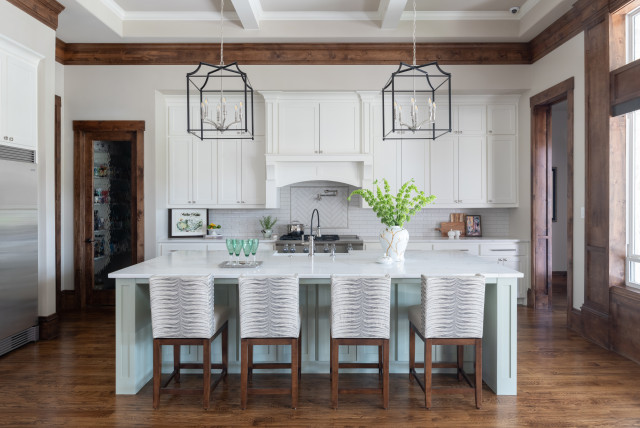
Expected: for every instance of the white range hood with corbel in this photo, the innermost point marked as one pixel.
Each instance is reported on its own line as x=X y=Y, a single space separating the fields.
x=316 y=136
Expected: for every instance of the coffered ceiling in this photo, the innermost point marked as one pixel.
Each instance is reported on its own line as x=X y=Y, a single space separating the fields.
x=282 y=21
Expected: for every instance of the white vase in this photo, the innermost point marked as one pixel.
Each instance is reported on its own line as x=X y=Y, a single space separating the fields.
x=394 y=242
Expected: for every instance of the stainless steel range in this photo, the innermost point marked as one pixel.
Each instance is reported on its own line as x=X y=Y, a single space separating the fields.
x=323 y=244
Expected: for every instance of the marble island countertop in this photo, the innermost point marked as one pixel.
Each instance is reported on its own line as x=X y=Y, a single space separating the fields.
x=321 y=266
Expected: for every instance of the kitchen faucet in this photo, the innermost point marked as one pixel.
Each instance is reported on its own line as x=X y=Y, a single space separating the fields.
x=312 y=249
x=318 y=233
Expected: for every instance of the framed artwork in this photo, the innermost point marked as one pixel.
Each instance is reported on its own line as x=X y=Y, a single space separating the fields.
x=188 y=222
x=473 y=227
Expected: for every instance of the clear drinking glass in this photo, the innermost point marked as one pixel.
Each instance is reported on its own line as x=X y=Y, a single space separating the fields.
x=237 y=247
x=254 y=248
x=246 y=249
x=230 y=250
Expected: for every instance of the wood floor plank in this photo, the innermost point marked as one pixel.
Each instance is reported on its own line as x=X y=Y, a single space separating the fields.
x=563 y=380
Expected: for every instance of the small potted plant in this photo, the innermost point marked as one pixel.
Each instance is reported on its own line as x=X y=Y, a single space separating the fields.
x=394 y=211
x=267 y=224
x=212 y=229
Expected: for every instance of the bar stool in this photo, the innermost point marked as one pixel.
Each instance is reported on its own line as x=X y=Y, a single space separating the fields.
x=269 y=315
x=451 y=313
x=360 y=315
x=183 y=313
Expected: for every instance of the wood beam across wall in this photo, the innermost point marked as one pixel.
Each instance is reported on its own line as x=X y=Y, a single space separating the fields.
x=290 y=53
x=45 y=11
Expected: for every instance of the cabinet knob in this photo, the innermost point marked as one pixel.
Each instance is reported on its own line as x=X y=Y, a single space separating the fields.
x=315 y=151
x=490 y=132
x=320 y=151
x=490 y=200
x=243 y=202
x=10 y=138
x=237 y=202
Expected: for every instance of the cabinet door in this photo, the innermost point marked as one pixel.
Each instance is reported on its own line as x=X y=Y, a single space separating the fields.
x=19 y=102
x=229 y=172
x=442 y=169
x=205 y=158
x=502 y=119
x=386 y=156
x=414 y=163
x=298 y=128
x=253 y=172
x=472 y=180
x=501 y=170
x=339 y=127
x=180 y=170
x=519 y=264
x=472 y=119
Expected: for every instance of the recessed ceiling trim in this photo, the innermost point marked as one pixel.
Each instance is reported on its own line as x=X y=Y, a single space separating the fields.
x=179 y=16
x=460 y=15
x=526 y=7
x=115 y=8
x=321 y=16
x=390 y=12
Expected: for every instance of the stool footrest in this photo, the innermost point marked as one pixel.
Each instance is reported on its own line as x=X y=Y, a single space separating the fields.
x=360 y=365
x=269 y=391
x=360 y=391
x=271 y=366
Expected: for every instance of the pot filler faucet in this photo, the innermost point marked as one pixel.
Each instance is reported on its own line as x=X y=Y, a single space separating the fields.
x=318 y=233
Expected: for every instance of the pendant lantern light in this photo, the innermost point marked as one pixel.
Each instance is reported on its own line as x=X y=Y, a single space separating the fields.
x=416 y=101
x=219 y=99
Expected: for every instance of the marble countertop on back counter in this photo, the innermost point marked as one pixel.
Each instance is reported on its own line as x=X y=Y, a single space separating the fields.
x=210 y=240
x=437 y=239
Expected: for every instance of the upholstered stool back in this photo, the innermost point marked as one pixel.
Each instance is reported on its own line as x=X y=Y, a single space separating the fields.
x=269 y=306
x=182 y=307
x=360 y=306
x=452 y=307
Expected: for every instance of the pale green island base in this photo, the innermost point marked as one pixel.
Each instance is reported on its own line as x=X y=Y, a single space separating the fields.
x=133 y=315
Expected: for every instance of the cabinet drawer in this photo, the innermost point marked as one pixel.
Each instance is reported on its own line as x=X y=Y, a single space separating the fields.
x=168 y=248
x=419 y=246
x=506 y=249
x=457 y=246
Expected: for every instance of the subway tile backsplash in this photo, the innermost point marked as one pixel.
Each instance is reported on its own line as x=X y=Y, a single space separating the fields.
x=356 y=220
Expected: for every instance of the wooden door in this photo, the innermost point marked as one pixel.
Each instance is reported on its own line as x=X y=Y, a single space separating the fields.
x=123 y=179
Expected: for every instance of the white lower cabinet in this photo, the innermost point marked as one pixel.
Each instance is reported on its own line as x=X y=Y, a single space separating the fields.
x=513 y=256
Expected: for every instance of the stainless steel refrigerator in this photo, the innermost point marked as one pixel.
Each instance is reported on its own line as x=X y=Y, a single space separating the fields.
x=18 y=248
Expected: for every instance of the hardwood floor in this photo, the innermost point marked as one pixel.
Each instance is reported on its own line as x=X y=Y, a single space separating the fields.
x=563 y=381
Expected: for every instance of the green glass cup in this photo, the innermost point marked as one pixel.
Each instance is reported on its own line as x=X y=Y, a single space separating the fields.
x=230 y=250
x=254 y=248
x=246 y=249
x=237 y=248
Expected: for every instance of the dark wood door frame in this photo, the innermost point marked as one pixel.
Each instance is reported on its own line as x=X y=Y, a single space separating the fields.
x=539 y=296
x=85 y=132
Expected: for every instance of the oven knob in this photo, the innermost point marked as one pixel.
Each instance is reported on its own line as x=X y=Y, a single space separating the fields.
x=326 y=248
x=293 y=248
x=305 y=249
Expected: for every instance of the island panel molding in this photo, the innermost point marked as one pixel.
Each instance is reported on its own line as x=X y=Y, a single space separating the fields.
x=45 y=11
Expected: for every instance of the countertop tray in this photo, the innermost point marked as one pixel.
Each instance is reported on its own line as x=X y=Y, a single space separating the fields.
x=242 y=265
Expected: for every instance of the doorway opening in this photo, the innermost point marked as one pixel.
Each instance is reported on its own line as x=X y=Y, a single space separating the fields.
x=558 y=101
x=108 y=205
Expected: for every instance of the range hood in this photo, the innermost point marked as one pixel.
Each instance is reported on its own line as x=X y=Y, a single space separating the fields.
x=283 y=170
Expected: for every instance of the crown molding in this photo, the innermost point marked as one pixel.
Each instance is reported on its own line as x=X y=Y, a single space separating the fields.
x=45 y=11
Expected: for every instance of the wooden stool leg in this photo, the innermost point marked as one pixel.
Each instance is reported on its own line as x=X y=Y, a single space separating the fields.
x=427 y=372
x=157 y=372
x=294 y=373
x=412 y=351
x=206 y=371
x=176 y=363
x=250 y=363
x=334 y=374
x=385 y=373
x=478 y=373
x=300 y=354
x=244 y=374
x=225 y=349
x=380 y=362
x=460 y=361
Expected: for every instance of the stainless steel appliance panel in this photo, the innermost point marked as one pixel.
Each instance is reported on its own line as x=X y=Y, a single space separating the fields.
x=18 y=247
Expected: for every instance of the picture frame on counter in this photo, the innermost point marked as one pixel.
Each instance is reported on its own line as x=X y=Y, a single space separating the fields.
x=473 y=226
x=188 y=222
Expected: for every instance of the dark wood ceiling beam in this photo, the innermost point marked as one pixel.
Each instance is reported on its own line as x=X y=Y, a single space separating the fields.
x=292 y=53
x=45 y=11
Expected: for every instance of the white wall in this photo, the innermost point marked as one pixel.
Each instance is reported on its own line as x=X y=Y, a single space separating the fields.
x=559 y=161
x=129 y=93
x=37 y=37
x=564 y=62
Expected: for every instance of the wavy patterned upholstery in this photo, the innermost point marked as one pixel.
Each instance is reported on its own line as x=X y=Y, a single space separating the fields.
x=182 y=307
x=451 y=307
x=360 y=306
x=269 y=306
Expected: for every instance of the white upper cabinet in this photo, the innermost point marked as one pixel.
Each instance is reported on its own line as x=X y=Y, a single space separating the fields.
x=502 y=119
x=191 y=171
x=298 y=128
x=313 y=123
x=443 y=169
x=501 y=166
x=241 y=173
x=204 y=191
x=414 y=157
x=472 y=173
x=180 y=180
x=18 y=97
x=253 y=172
x=470 y=119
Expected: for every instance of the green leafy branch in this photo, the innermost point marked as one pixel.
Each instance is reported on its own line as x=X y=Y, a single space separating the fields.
x=395 y=210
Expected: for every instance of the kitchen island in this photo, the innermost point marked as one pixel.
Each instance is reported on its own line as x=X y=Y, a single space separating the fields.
x=133 y=315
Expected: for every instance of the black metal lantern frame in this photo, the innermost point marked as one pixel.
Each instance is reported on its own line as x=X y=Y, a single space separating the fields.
x=425 y=93
x=219 y=103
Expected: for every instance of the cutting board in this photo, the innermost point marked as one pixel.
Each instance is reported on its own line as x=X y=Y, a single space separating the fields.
x=456 y=217
x=446 y=226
